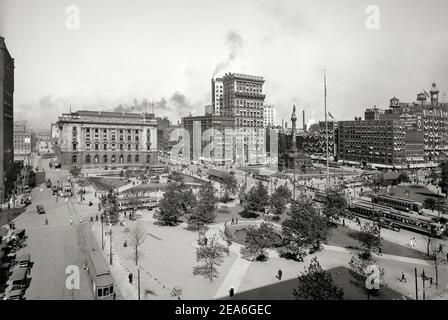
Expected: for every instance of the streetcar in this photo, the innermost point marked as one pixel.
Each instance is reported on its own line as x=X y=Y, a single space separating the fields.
x=402 y=204
x=137 y=202
x=99 y=276
x=396 y=219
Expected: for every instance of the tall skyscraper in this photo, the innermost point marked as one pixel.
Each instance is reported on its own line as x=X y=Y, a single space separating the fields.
x=243 y=99
x=269 y=116
x=6 y=115
x=217 y=92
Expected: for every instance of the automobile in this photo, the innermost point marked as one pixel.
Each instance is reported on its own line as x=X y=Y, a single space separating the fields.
x=40 y=209
x=14 y=295
x=48 y=183
x=18 y=280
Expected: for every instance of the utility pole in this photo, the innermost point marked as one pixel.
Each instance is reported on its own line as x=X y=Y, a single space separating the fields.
x=102 y=232
x=416 y=285
x=110 y=244
x=424 y=279
x=138 y=278
x=326 y=126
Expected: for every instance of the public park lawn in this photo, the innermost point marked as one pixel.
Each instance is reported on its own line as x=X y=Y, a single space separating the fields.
x=416 y=192
x=169 y=257
x=343 y=237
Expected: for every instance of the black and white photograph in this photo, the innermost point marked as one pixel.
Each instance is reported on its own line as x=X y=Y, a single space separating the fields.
x=223 y=156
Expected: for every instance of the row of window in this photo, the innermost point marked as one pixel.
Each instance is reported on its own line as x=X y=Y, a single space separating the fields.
x=105 y=146
x=113 y=159
x=112 y=137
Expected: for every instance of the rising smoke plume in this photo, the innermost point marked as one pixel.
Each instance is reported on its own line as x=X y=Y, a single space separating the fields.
x=234 y=43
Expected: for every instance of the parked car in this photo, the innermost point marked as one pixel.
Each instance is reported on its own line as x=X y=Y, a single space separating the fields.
x=40 y=209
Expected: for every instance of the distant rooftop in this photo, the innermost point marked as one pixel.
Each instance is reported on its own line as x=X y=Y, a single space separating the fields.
x=109 y=114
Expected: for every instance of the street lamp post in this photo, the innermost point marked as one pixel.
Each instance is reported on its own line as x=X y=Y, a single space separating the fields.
x=110 y=243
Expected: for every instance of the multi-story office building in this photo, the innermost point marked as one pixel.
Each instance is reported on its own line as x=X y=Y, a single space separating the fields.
x=378 y=142
x=269 y=116
x=243 y=99
x=6 y=115
x=96 y=139
x=22 y=143
x=211 y=138
x=217 y=95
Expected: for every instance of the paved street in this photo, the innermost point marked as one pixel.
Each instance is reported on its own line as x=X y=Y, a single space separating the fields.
x=52 y=247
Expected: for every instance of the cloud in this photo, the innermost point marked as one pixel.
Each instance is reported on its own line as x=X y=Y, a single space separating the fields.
x=234 y=43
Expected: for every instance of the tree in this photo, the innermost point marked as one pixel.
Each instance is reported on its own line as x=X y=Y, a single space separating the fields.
x=430 y=203
x=443 y=183
x=226 y=234
x=109 y=203
x=137 y=236
x=283 y=192
x=258 y=239
x=306 y=227
x=369 y=237
x=211 y=254
x=230 y=185
x=75 y=171
x=335 y=203
x=206 y=205
x=363 y=266
x=177 y=200
x=436 y=258
x=277 y=205
x=403 y=177
x=317 y=284
x=175 y=177
x=256 y=199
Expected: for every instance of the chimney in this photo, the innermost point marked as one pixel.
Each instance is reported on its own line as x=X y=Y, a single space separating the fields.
x=304 y=125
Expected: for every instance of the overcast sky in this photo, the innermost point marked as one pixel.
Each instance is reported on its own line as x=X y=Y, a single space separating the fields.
x=167 y=51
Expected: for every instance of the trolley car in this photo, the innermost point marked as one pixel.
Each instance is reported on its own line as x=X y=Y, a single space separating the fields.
x=396 y=219
x=402 y=204
x=136 y=202
x=99 y=276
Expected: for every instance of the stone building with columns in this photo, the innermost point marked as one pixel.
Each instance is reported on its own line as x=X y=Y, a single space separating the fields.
x=98 y=139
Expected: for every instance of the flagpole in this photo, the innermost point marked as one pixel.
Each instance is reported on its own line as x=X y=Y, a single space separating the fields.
x=326 y=126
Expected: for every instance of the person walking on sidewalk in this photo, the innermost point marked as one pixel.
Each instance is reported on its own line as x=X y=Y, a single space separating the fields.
x=46 y=221
x=130 y=278
x=279 y=274
x=403 y=277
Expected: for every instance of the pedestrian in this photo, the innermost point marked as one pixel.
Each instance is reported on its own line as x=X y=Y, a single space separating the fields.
x=125 y=214
x=411 y=242
x=440 y=247
x=231 y=291
x=380 y=251
x=343 y=222
x=46 y=221
x=233 y=221
x=279 y=274
x=130 y=278
x=91 y=219
x=403 y=277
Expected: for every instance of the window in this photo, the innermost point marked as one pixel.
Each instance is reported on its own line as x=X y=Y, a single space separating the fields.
x=96 y=130
x=121 y=138
x=121 y=146
x=88 y=130
x=129 y=131
x=137 y=159
x=148 y=158
x=121 y=131
x=129 y=158
x=105 y=159
x=129 y=147
x=121 y=158
x=113 y=158
x=105 y=131
x=136 y=138
x=87 y=158
x=100 y=292
x=88 y=146
x=74 y=146
x=136 y=131
x=113 y=146
x=105 y=146
x=106 y=292
x=136 y=146
x=96 y=147
x=97 y=159
x=129 y=138
x=74 y=158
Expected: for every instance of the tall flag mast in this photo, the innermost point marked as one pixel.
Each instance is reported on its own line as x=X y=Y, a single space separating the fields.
x=326 y=126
